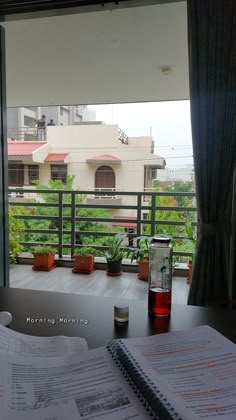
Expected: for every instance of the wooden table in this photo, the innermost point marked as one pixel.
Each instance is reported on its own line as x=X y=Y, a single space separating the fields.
x=92 y=317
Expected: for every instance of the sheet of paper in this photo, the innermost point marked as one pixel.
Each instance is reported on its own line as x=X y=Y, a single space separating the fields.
x=195 y=369
x=84 y=386
x=13 y=342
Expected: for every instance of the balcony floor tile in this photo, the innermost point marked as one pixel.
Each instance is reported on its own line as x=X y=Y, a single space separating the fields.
x=97 y=283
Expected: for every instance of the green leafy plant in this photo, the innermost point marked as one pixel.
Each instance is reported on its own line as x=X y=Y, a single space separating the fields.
x=84 y=251
x=115 y=250
x=44 y=249
x=15 y=228
x=141 y=252
x=191 y=236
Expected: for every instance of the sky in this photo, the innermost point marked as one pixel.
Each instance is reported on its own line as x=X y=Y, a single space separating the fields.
x=167 y=122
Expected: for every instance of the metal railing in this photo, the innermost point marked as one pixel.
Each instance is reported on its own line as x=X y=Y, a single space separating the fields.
x=26 y=134
x=122 y=137
x=69 y=206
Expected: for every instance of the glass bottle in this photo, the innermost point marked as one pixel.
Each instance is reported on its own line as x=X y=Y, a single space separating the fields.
x=160 y=277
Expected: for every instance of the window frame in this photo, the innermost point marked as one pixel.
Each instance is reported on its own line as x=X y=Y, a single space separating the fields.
x=58 y=167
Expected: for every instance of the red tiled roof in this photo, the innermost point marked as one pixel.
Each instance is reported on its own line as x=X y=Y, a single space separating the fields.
x=104 y=158
x=56 y=157
x=23 y=148
x=126 y=224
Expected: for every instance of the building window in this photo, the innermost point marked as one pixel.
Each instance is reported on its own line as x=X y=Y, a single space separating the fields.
x=105 y=178
x=15 y=175
x=33 y=174
x=59 y=172
x=29 y=122
x=61 y=111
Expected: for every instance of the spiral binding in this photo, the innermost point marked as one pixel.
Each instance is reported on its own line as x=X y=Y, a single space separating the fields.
x=147 y=391
x=129 y=380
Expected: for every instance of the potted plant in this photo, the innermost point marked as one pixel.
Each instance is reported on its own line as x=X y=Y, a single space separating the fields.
x=191 y=237
x=44 y=258
x=115 y=254
x=141 y=255
x=84 y=260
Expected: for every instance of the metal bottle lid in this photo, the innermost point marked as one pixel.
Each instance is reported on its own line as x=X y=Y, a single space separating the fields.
x=161 y=239
x=121 y=309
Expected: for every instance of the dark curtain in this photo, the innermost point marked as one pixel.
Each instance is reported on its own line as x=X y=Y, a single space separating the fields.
x=4 y=229
x=212 y=67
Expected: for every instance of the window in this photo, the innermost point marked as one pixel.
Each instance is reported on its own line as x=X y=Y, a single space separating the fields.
x=15 y=175
x=29 y=122
x=59 y=172
x=61 y=111
x=105 y=178
x=33 y=173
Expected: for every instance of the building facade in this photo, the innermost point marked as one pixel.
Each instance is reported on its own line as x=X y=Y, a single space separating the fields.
x=100 y=157
x=21 y=122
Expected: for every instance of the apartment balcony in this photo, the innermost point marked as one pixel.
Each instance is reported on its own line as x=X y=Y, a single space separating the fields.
x=127 y=286
x=104 y=196
x=25 y=134
x=66 y=219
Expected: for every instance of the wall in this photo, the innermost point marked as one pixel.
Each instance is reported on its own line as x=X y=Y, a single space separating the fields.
x=84 y=142
x=98 y=57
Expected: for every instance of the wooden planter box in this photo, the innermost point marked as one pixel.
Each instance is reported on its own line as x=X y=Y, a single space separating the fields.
x=83 y=264
x=44 y=262
x=143 y=273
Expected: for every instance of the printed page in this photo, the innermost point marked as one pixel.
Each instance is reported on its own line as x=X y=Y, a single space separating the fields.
x=13 y=342
x=194 y=369
x=84 y=386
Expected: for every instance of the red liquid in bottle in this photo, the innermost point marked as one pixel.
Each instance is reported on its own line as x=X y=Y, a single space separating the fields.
x=159 y=301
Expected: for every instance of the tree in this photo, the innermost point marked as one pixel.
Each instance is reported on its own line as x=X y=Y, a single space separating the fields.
x=53 y=211
x=177 y=233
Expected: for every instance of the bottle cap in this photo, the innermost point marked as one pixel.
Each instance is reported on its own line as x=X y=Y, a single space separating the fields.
x=161 y=239
x=121 y=309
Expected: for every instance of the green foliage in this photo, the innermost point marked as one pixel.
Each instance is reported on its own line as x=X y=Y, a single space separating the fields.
x=115 y=250
x=15 y=228
x=141 y=252
x=44 y=249
x=181 y=242
x=84 y=251
x=52 y=225
x=190 y=231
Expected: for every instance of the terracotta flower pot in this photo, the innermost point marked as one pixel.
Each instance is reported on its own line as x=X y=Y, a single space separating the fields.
x=143 y=273
x=83 y=264
x=44 y=262
x=190 y=271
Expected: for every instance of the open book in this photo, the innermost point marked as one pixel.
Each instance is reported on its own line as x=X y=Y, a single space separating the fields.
x=187 y=374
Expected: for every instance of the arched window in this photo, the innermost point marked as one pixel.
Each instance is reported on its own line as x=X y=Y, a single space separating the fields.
x=105 y=178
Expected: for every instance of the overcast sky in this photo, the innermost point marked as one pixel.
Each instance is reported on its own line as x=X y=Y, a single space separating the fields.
x=167 y=122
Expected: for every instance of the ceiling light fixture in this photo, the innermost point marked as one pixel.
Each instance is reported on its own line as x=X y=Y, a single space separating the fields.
x=166 y=70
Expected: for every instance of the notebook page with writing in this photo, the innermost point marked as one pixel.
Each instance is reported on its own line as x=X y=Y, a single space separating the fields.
x=89 y=385
x=191 y=373
x=25 y=345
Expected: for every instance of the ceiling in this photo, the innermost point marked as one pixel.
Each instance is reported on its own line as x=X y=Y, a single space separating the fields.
x=111 y=56
x=13 y=9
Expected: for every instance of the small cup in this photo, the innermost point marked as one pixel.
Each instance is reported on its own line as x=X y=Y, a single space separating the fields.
x=121 y=313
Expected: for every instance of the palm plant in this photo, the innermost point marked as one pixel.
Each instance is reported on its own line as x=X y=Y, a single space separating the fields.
x=114 y=255
x=116 y=251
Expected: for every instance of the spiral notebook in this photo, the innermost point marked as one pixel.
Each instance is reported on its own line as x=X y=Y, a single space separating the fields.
x=184 y=375
x=187 y=374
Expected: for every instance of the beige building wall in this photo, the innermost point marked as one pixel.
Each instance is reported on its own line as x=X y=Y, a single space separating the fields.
x=84 y=142
x=87 y=141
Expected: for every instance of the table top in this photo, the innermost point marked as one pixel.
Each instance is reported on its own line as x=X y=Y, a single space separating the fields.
x=92 y=317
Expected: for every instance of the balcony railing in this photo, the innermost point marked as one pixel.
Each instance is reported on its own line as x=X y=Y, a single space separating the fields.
x=68 y=210
x=25 y=134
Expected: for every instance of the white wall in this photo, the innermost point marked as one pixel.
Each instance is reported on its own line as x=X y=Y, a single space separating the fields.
x=98 y=57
